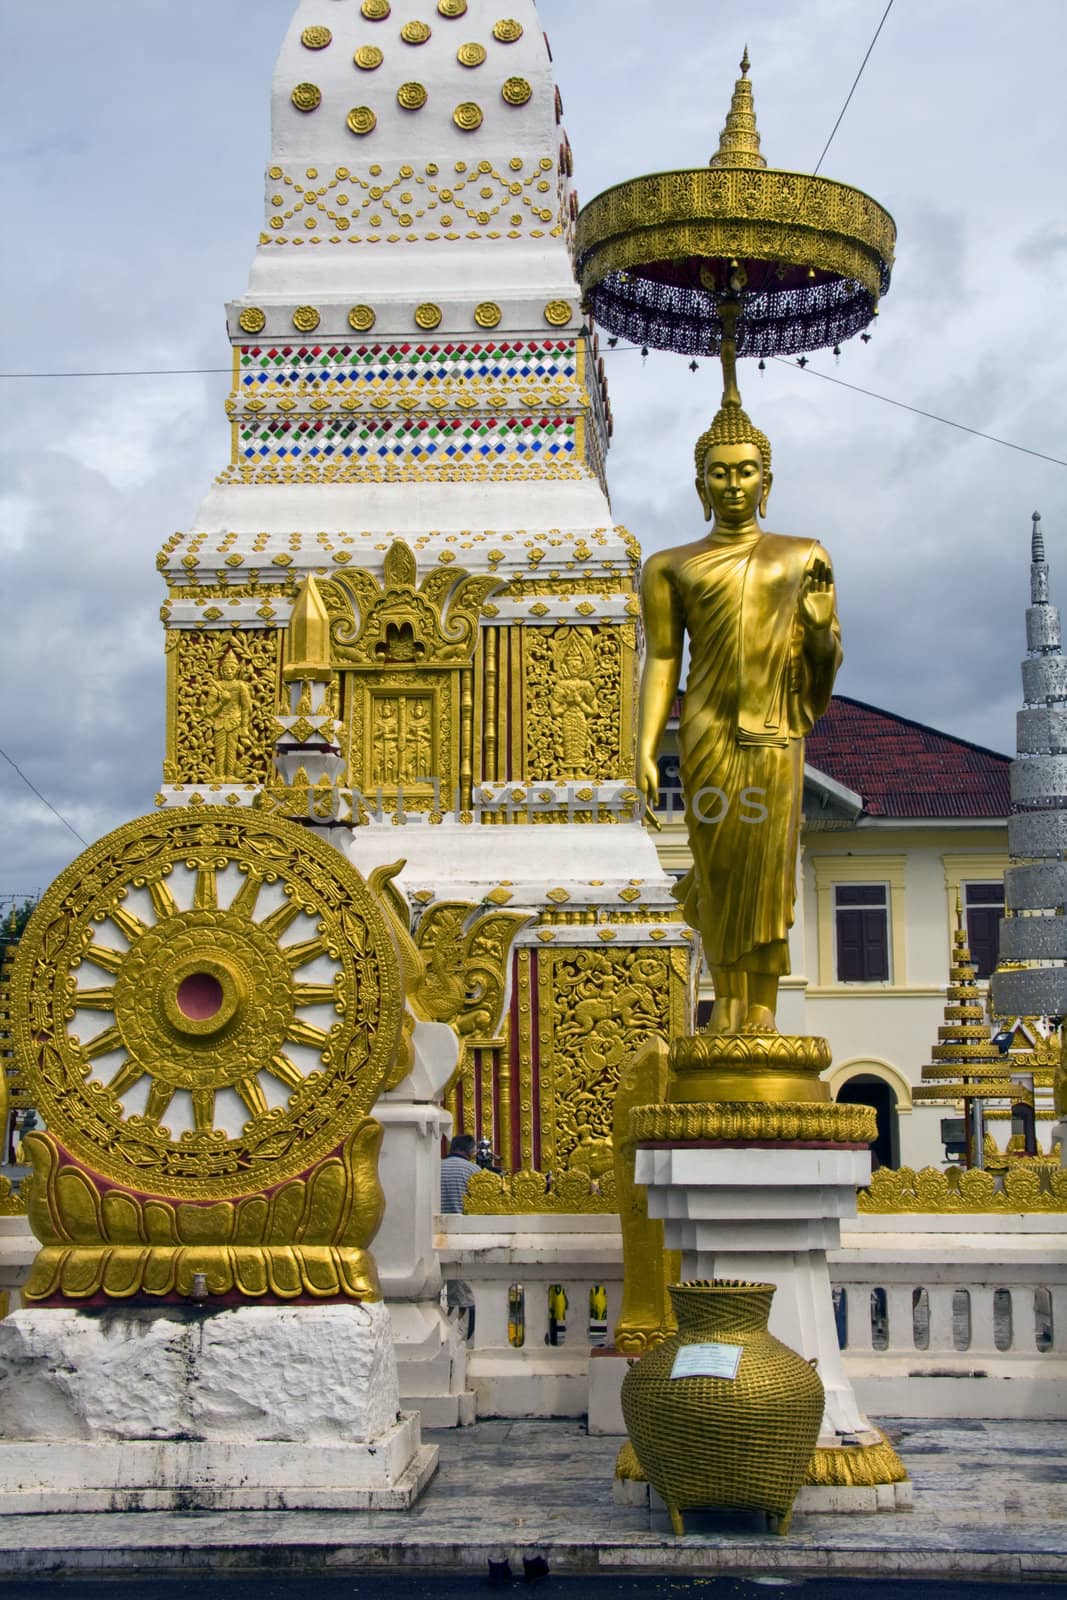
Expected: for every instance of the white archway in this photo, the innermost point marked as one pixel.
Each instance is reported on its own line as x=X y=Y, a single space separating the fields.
x=872 y=1067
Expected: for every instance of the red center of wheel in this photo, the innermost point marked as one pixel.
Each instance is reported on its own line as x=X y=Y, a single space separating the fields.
x=199 y=996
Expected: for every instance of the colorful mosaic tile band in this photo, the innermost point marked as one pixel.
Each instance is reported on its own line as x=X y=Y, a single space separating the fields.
x=418 y=439
x=350 y=411
x=313 y=366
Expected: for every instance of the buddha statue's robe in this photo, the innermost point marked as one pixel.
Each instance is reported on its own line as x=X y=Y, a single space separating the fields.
x=754 y=690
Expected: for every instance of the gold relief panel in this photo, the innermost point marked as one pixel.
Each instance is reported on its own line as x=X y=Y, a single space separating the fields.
x=594 y=1007
x=401 y=741
x=221 y=700
x=386 y=706
x=579 y=696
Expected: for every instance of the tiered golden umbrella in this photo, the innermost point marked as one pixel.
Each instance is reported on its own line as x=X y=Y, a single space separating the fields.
x=734 y=258
x=967 y=1065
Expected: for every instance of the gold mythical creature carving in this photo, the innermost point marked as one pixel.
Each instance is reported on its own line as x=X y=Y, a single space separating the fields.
x=759 y=610
x=595 y=1005
x=455 y=963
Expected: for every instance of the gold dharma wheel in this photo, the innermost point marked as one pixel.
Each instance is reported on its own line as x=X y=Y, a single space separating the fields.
x=206 y=1004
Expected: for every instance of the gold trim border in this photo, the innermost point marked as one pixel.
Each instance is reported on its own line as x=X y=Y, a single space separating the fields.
x=772 y=215
x=790 y=1123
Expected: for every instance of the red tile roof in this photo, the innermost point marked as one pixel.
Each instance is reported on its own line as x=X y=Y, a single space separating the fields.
x=905 y=769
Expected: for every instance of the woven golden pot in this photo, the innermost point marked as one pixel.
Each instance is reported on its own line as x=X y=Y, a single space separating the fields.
x=744 y=1441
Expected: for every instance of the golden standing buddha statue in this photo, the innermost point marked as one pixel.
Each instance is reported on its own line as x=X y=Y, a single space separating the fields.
x=765 y=647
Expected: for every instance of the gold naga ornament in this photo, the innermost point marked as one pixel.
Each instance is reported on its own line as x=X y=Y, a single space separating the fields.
x=205 y=1007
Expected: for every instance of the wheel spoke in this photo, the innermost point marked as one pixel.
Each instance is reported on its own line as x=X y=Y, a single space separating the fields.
x=279 y=920
x=159 y=1098
x=130 y=926
x=204 y=1109
x=251 y=1093
x=285 y=1071
x=102 y=956
x=298 y=955
x=95 y=999
x=314 y=994
x=244 y=901
x=304 y=1033
x=206 y=895
x=129 y=1073
x=162 y=900
x=104 y=1043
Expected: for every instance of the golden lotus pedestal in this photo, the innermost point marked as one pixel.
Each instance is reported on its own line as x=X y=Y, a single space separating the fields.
x=752 y=1169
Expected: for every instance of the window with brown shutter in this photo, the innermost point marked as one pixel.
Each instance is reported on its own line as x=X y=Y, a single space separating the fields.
x=861 y=912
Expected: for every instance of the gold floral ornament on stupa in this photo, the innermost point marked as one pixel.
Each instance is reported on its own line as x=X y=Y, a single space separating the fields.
x=661 y=257
x=206 y=1008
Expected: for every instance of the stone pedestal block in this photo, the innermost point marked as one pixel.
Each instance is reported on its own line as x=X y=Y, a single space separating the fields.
x=259 y=1407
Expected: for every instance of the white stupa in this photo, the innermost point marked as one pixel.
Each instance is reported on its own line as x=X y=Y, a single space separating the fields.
x=413 y=382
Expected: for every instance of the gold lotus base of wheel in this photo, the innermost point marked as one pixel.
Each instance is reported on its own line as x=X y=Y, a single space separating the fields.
x=765 y=1067
x=307 y=1239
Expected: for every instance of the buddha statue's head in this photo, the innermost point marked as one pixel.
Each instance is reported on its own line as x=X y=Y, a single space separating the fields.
x=228 y=667
x=733 y=462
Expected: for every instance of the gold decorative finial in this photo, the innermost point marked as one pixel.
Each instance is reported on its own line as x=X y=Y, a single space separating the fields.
x=739 y=142
x=308 y=636
x=959 y=913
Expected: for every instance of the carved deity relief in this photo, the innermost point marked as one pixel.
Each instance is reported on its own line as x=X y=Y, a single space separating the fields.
x=228 y=708
x=402 y=742
x=575 y=721
x=574 y=700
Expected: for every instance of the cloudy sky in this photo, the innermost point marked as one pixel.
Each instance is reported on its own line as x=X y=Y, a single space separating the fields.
x=134 y=138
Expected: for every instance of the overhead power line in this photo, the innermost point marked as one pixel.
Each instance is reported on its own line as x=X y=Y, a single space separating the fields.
x=44 y=799
x=851 y=92
x=917 y=411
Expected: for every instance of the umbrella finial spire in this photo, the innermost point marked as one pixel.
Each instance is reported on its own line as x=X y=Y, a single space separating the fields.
x=739 y=141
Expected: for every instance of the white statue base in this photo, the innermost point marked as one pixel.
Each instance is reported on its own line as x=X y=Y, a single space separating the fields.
x=769 y=1214
x=176 y=1408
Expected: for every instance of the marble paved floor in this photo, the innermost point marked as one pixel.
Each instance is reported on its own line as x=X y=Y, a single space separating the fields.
x=990 y=1501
